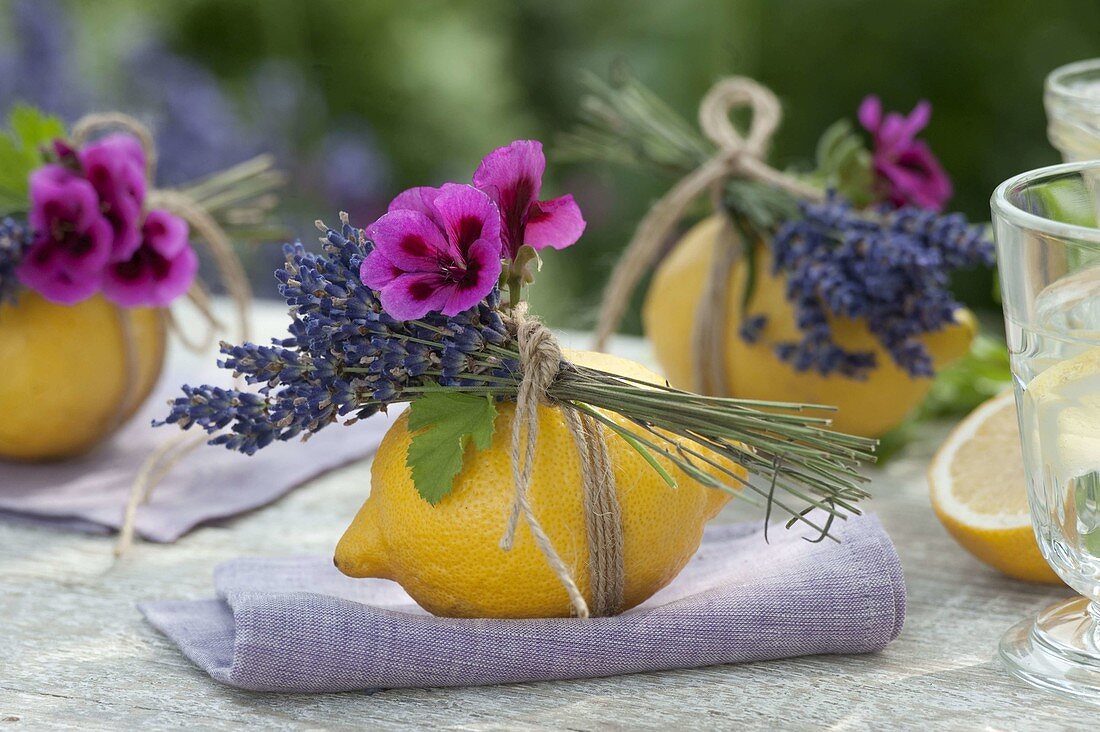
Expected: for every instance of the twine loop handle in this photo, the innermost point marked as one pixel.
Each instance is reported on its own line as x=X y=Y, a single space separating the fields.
x=540 y=362
x=737 y=155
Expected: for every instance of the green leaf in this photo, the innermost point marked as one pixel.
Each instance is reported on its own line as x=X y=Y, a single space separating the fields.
x=844 y=163
x=443 y=425
x=21 y=151
x=33 y=128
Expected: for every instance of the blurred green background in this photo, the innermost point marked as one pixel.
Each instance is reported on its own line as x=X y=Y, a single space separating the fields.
x=360 y=99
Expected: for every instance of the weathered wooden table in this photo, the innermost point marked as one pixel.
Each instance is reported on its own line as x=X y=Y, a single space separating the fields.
x=76 y=654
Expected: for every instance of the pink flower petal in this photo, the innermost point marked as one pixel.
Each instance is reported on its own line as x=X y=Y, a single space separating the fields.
x=556 y=223
x=482 y=272
x=870 y=113
x=118 y=145
x=409 y=239
x=85 y=253
x=421 y=199
x=177 y=281
x=166 y=233
x=468 y=215
x=907 y=171
x=58 y=193
x=376 y=271
x=891 y=137
x=512 y=176
x=115 y=166
x=918 y=119
x=918 y=178
x=150 y=280
x=43 y=272
x=414 y=295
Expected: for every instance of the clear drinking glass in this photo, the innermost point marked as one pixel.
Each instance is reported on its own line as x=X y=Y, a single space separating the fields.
x=1072 y=100
x=1048 y=247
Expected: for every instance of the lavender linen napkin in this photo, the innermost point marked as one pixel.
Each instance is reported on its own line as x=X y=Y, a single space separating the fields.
x=90 y=493
x=297 y=625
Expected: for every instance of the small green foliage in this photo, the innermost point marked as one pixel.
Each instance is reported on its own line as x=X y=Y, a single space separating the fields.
x=443 y=424
x=762 y=206
x=980 y=375
x=21 y=151
x=844 y=164
x=958 y=390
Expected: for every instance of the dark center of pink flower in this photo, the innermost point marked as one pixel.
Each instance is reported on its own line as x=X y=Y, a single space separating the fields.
x=421 y=290
x=469 y=231
x=145 y=259
x=463 y=274
x=514 y=205
x=74 y=243
x=414 y=246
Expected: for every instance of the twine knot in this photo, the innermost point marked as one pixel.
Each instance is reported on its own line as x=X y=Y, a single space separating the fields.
x=540 y=361
x=738 y=156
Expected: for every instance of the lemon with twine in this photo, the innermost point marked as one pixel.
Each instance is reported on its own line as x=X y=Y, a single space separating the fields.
x=869 y=407
x=448 y=556
x=72 y=374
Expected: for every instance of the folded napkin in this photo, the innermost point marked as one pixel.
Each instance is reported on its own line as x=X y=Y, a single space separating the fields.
x=90 y=493
x=298 y=625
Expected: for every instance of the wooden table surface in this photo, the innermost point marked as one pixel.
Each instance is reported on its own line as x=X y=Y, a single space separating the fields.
x=76 y=654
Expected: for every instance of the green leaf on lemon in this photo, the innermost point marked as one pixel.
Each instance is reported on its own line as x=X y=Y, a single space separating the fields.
x=443 y=424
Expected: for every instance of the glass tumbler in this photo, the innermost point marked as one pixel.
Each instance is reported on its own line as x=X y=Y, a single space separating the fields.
x=1048 y=247
x=1072 y=100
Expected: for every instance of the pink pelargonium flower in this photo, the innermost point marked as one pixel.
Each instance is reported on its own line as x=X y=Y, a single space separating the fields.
x=115 y=166
x=161 y=269
x=72 y=239
x=906 y=169
x=512 y=177
x=436 y=249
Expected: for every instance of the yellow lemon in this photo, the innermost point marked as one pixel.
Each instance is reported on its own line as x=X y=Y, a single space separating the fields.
x=448 y=556
x=869 y=407
x=978 y=491
x=65 y=382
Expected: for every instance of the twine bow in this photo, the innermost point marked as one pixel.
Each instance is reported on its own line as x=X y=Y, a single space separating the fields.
x=737 y=156
x=540 y=361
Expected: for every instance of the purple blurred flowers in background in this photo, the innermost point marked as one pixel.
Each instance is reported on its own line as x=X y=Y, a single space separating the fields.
x=905 y=168
x=73 y=239
x=160 y=270
x=199 y=128
x=86 y=212
x=115 y=166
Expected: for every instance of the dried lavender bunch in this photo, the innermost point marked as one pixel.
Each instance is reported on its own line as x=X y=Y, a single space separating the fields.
x=345 y=359
x=891 y=269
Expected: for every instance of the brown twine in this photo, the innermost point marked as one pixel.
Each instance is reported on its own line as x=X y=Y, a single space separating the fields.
x=708 y=334
x=737 y=157
x=130 y=368
x=540 y=361
x=232 y=275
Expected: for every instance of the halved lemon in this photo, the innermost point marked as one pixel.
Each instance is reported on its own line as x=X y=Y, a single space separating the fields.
x=978 y=492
